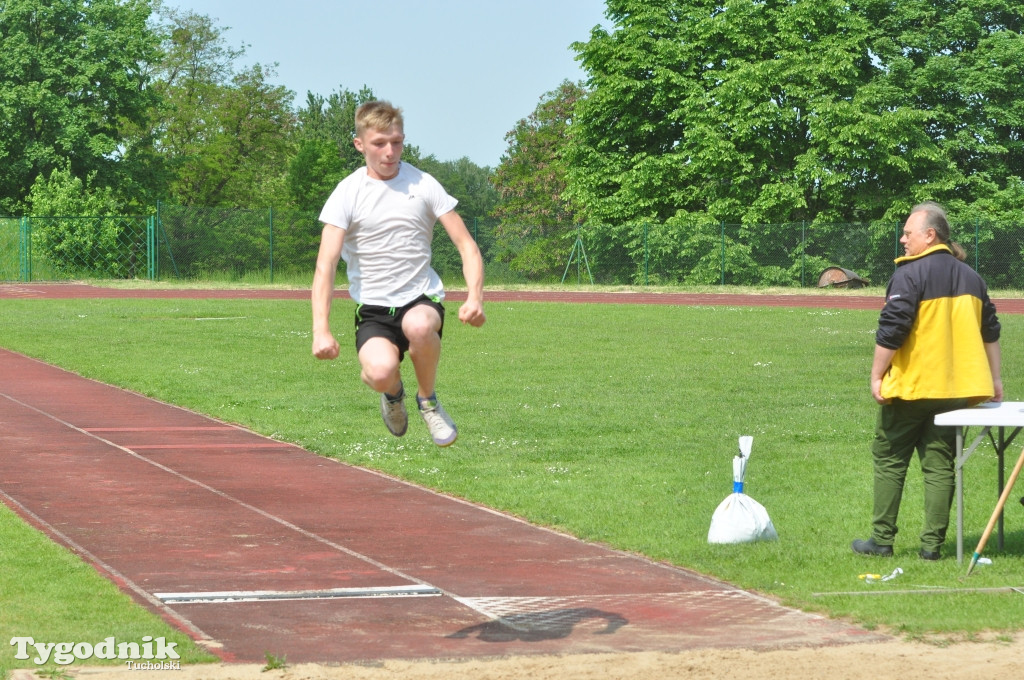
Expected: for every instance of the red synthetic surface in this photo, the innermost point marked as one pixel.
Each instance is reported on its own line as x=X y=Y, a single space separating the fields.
x=843 y=300
x=165 y=501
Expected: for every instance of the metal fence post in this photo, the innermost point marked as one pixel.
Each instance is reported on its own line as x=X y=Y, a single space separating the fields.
x=722 y=226
x=803 y=252
x=647 y=255
x=25 y=250
x=80 y=246
x=150 y=248
x=579 y=240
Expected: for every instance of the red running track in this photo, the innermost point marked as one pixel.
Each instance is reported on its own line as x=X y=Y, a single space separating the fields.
x=253 y=545
x=845 y=300
x=176 y=508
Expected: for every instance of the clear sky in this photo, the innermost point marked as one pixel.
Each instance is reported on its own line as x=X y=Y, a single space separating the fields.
x=462 y=71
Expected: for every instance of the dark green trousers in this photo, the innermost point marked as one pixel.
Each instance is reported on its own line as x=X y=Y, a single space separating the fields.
x=902 y=428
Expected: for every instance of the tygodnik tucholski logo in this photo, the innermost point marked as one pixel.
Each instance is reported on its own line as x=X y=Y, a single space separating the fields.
x=150 y=654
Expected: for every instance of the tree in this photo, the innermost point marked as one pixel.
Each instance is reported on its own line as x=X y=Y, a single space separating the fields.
x=779 y=110
x=243 y=147
x=63 y=194
x=531 y=176
x=223 y=135
x=531 y=181
x=72 y=80
x=468 y=182
x=471 y=185
x=80 y=233
x=324 y=150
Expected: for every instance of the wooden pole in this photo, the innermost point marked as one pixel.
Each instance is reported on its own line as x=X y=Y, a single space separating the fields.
x=996 y=512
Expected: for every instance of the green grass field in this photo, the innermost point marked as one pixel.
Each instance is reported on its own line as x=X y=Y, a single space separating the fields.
x=51 y=595
x=616 y=423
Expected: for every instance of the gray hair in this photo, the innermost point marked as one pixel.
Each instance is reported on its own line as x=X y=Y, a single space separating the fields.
x=935 y=218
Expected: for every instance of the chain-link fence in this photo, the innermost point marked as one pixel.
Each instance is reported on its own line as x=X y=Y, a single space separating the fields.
x=263 y=245
x=10 y=249
x=219 y=243
x=704 y=253
x=62 y=248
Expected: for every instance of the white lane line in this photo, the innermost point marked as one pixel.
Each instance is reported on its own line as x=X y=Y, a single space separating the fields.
x=276 y=595
x=217 y=492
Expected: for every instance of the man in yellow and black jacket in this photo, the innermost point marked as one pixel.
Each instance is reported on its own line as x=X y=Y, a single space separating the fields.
x=936 y=350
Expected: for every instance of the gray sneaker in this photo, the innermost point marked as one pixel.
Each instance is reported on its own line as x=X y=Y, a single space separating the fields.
x=442 y=429
x=394 y=413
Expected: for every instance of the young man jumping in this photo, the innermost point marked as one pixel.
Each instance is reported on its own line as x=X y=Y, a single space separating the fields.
x=380 y=221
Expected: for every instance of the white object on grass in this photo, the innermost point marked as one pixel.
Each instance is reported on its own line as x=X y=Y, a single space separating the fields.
x=895 y=572
x=739 y=518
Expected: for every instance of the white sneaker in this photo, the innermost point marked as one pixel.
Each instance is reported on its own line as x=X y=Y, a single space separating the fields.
x=442 y=429
x=395 y=416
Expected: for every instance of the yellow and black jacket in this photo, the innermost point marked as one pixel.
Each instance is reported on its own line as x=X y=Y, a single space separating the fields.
x=938 y=317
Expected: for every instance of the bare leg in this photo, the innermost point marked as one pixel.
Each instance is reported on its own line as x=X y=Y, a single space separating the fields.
x=421 y=326
x=380 y=370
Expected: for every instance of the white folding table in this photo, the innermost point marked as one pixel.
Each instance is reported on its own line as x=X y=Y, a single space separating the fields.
x=1007 y=418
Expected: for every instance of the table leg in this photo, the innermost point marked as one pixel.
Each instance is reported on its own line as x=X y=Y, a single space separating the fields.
x=999 y=456
x=959 y=494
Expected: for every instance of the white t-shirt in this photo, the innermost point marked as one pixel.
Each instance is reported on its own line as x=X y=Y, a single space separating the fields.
x=389 y=225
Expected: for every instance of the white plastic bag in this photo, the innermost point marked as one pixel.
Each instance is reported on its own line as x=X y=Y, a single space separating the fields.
x=739 y=518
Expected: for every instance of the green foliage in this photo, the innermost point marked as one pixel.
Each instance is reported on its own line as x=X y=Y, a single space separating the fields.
x=206 y=241
x=64 y=194
x=89 y=247
x=957 y=65
x=313 y=172
x=810 y=110
x=531 y=176
x=543 y=258
x=223 y=134
x=72 y=82
x=85 y=237
x=50 y=594
x=469 y=183
x=325 y=153
x=274 y=662
x=246 y=150
x=531 y=181
x=296 y=242
x=471 y=186
x=756 y=115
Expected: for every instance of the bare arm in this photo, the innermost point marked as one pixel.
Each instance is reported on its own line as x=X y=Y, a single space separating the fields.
x=331 y=240
x=472 y=311
x=995 y=365
x=883 y=358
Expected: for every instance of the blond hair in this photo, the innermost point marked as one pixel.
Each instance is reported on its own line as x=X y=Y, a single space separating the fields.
x=377 y=115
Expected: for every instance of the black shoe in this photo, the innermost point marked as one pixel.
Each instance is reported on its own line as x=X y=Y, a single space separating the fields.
x=929 y=555
x=869 y=547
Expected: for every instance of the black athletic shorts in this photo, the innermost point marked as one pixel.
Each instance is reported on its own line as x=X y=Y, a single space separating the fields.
x=374 y=321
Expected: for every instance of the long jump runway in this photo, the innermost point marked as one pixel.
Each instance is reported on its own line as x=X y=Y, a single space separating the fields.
x=255 y=546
